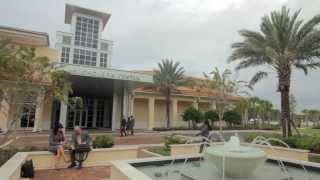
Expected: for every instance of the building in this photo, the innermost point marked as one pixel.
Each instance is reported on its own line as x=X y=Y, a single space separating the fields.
x=37 y=117
x=108 y=94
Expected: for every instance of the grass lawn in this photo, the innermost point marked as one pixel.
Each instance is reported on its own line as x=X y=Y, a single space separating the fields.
x=310 y=131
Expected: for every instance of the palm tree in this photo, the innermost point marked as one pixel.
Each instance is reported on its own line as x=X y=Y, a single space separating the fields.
x=243 y=106
x=284 y=43
x=266 y=107
x=169 y=75
x=221 y=82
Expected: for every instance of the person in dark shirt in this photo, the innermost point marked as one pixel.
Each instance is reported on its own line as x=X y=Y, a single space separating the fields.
x=130 y=125
x=204 y=132
x=123 y=126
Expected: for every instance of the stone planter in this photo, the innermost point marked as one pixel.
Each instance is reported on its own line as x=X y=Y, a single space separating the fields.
x=313 y=157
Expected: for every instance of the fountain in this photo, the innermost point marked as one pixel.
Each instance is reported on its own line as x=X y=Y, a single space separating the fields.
x=234 y=160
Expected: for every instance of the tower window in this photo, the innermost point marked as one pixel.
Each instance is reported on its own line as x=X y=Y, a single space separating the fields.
x=87 y=32
x=85 y=57
x=103 y=59
x=66 y=40
x=65 y=52
x=104 y=46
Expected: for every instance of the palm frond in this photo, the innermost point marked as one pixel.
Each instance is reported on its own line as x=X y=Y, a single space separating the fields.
x=257 y=77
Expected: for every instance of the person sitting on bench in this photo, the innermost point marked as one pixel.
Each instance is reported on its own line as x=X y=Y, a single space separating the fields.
x=79 y=140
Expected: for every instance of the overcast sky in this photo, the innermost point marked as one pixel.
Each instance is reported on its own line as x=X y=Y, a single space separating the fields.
x=198 y=33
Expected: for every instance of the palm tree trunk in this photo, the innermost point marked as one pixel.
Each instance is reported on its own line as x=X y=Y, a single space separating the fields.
x=284 y=87
x=168 y=107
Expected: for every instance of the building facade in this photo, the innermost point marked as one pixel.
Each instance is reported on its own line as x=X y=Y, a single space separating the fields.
x=107 y=94
x=38 y=115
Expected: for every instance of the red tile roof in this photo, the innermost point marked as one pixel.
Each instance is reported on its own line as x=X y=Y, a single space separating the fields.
x=185 y=91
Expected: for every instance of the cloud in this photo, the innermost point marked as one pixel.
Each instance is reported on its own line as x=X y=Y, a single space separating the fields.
x=198 y=33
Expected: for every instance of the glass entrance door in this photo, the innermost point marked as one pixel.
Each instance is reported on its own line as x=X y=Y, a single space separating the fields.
x=81 y=115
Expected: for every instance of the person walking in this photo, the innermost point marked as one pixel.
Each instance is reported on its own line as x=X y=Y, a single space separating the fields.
x=204 y=132
x=123 y=126
x=56 y=143
x=132 y=123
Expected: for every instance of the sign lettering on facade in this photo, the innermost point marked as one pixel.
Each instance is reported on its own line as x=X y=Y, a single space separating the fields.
x=106 y=73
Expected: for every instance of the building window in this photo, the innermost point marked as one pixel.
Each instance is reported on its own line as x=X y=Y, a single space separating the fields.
x=84 y=57
x=66 y=40
x=27 y=116
x=65 y=54
x=104 y=46
x=100 y=113
x=87 y=32
x=103 y=59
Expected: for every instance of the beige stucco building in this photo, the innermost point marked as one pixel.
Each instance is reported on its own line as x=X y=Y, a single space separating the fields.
x=108 y=94
x=39 y=116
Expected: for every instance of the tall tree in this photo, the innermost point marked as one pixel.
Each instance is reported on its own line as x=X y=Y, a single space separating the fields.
x=23 y=75
x=225 y=86
x=166 y=78
x=242 y=107
x=284 y=43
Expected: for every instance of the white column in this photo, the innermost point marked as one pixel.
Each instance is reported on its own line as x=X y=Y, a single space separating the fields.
x=95 y=108
x=63 y=111
x=39 y=112
x=213 y=105
x=195 y=104
x=174 y=105
x=125 y=103
x=151 y=113
x=114 y=111
x=131 y=105
x=4 y=115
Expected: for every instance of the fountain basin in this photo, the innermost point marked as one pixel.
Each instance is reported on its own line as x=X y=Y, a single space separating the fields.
x=238 y=162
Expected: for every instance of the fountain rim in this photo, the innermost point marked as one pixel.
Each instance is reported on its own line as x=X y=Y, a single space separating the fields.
x=220 y=151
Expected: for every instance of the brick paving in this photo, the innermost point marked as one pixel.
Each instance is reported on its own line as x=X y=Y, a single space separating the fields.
x=88 y=173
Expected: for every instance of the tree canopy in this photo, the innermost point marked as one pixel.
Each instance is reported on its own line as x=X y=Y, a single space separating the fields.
x=283 y=43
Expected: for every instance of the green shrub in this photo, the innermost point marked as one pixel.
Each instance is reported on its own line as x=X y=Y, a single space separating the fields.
x=232 y=117
x=193 y=115
x=103 y=141
x=251 y=136
x=168 y=140
x=314 y=157
x=316 y=127
x=211 y=115
x=160 y=150
x=307 y=142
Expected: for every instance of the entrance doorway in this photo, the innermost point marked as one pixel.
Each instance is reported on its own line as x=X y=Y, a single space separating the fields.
x=92 y=113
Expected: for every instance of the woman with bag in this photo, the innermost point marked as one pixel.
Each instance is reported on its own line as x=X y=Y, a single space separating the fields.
x=56 y=143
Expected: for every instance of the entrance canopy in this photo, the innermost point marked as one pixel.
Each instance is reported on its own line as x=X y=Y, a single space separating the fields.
x=106 y=73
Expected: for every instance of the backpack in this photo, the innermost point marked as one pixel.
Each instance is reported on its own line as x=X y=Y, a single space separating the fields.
x=27 y=169
x=83 y=148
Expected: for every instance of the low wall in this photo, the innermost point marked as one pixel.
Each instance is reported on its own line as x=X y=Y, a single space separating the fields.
x=44 y=160
x=296 y=154
x=143 y=153
x=184 y=149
